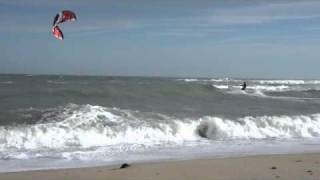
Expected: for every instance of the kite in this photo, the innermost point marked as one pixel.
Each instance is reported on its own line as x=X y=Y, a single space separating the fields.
x=56 y=31
x=60 y=18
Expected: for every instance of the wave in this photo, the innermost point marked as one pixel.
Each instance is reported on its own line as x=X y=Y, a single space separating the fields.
x=223 y=80
x=274 y=91
x=257 y=87
x=248 y=92
x=303 y=126
x=60 y=82
x=221 y=86
x=217 y=80
x=87 y=126
x=90 y=126
x=6 y=82
x=270 y=88
x=188 y=80
x=258 y=91
x=288 y=82
x=56 y=82
x=307 y=94
x=292 y=89
x=262 y=82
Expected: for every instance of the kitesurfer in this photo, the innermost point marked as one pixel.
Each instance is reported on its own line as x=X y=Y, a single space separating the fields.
x=244 y=86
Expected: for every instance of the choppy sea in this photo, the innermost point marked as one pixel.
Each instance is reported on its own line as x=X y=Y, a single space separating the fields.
x=72 y=121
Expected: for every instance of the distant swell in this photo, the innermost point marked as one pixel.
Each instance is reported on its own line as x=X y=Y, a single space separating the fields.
x=265 y=82
x=6 y=82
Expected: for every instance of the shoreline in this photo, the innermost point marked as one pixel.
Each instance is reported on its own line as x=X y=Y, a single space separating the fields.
x=280 y=166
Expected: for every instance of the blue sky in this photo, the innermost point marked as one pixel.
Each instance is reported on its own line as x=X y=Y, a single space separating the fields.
x=191 y=38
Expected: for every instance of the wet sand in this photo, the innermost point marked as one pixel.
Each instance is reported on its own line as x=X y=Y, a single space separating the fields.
x=266 y=167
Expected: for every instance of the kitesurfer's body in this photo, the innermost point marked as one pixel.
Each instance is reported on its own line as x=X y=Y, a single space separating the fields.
x=244 y=86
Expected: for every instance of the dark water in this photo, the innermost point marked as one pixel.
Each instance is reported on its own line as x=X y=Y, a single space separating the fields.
x=61 y=121
x=172 y=96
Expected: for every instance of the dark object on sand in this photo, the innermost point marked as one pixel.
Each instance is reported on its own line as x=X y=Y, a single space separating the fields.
x=244 y=86
x=310 y=172
x=124 y=165
x=273 y=167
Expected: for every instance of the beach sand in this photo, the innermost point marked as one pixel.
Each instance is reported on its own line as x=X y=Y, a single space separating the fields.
x=297 y=166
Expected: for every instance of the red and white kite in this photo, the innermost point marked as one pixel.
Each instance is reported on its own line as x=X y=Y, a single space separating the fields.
x=61 y=17
x=57 y=32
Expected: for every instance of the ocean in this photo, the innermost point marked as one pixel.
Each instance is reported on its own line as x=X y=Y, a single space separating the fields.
x=73 y=121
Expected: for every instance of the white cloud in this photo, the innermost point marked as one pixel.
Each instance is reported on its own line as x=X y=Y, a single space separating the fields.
x=200 y=22
x=266 y=13
x=229 y=18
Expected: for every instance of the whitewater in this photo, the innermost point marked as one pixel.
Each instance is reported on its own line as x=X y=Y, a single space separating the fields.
x=74 y=121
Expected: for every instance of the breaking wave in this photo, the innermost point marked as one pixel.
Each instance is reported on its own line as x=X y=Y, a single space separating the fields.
x=273 y=90
x=188 y=80
x=288 y=82
x=87 y=126
x=257 y=87
x=90 y=126
x=262 y=82
x=303 y=126
x=210 y=80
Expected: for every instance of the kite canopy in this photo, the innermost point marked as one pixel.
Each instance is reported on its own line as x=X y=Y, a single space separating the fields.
x=56 y=31
x=61 y=17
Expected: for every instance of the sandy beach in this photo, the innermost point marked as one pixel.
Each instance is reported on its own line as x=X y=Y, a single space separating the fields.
x=296 y=166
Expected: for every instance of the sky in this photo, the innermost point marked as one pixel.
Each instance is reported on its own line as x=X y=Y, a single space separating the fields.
x=176 y=38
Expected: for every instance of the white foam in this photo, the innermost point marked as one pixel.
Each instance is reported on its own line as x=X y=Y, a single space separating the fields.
x=270 y=88
x=250 y=91
x=90 y=127
x=221 y=86
x=188 y=80
x=56 y=82
x=261 y=127
x=288 y=82
x=218 y=80
x=257 y=87
x=263 y=82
